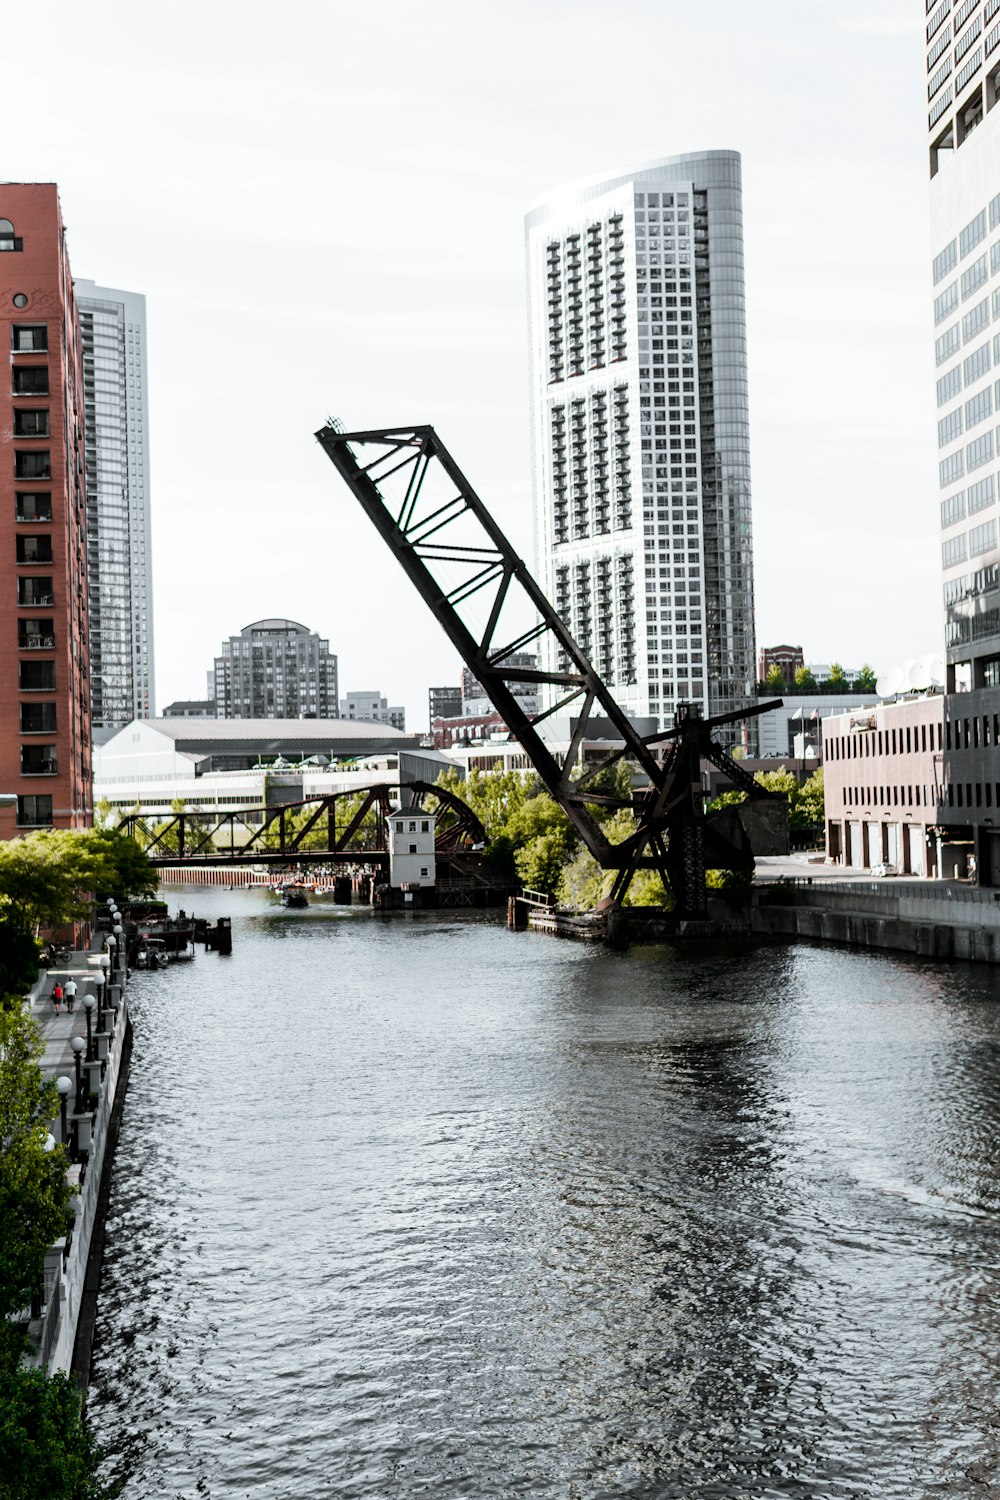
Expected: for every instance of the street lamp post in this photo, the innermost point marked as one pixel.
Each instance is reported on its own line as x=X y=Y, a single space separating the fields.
x=88 y=1004
x=79 y=1047
x=63 y=1085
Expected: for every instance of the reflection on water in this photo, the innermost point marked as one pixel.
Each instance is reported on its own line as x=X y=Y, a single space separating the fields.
x=420 y=1207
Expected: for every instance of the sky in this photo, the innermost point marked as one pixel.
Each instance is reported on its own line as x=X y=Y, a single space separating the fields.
x=324 y=203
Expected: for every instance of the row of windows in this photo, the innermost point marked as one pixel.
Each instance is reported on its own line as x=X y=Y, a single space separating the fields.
x=891 y=796
x=977 y=453
x=979 y=539
x=914 y=739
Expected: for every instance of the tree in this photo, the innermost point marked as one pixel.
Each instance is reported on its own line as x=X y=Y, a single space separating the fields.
x=48 y=878
x=865 y=679
x=809 y=810
x=34 y=1193
x=804 y=678
x=837 y=679
x=47 y=1451
x=775 y=680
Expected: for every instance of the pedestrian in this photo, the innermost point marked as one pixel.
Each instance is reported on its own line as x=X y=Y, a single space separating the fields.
x=57 y=997
x=70 y=993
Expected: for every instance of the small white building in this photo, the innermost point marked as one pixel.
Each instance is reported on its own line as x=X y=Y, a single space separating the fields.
x=411 y=849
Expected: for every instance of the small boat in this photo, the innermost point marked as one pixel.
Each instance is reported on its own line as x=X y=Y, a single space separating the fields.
x=294 y=896
x=152 y=954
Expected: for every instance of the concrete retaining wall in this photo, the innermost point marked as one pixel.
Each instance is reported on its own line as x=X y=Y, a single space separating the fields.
x=964 y=924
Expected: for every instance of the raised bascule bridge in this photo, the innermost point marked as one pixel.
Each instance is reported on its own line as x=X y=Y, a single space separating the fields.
x=492 y=609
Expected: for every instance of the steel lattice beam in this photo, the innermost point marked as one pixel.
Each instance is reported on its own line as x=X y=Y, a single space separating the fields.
x=455 y=555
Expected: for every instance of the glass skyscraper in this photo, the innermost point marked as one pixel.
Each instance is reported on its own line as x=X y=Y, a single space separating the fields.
x=641 y=441
x=119 y=565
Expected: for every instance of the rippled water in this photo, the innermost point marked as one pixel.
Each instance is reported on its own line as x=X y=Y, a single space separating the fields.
x=420 y=1207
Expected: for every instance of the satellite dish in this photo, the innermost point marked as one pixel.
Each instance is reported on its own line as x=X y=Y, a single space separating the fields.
x=937 y=671
x=890 y=683
x=918 y=676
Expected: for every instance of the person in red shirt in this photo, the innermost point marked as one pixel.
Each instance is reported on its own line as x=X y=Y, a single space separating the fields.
x=57 y=996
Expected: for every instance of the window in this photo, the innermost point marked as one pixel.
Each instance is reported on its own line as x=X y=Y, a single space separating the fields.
x=947 y=344
x=38 y=760
x=33 y=592
x=33 y=380
x=972 y=234
x=949 y=385
x=982 y=538
x=945 y=262
x=945 y=303
x=34 y=549
x=36 y=676
x=977 y=364
x=978 y=408
x=38 y=718
x=33 y=465
x=980 y=452
x=34 y=812
x=35 y=635
x=953 y=551
x=950 y=427
x=33 y=338
x=31 y=423
x=8 y=239
x=951 y=468
x=30 y=507
x=973 y=278
x=981 y=494
x=952 y=509
x=975 y=321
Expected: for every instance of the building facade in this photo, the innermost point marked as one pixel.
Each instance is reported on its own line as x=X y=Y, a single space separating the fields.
x=45 y=755
x=443 y=703
x=119 y=560
x=275 y=669
x=787 y=659
x=368 y=704
x=641 y=441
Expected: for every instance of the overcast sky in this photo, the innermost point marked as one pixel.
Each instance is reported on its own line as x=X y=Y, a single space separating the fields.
x=324 y=202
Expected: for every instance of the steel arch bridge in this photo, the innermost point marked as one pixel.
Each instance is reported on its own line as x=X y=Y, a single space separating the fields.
x=303 y=832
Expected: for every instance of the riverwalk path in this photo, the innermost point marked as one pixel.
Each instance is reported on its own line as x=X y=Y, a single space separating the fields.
x=59 y=1059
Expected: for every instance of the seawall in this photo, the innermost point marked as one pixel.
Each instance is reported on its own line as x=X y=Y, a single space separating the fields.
x=927 y=920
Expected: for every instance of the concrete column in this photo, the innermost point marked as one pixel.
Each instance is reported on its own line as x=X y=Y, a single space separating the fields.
x=94 y=1071
x=84 y=1131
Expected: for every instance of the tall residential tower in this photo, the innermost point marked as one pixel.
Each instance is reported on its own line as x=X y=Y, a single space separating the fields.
x=113 y=340
x=641 y=442
x=44 y=687
x=275 y=669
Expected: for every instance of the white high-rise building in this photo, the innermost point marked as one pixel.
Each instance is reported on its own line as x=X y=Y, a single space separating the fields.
x=641 y=442
x=119 y=562
x=963 y=88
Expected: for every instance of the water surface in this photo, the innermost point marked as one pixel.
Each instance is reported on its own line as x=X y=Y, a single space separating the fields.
x=421 y=1207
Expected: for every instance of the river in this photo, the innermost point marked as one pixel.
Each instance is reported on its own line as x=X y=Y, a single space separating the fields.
x=418 y=1207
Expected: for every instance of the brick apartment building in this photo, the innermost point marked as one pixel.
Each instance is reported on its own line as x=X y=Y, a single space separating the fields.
x=44 y=658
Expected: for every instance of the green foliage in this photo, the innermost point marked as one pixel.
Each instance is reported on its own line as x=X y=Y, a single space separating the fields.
x=46 y=1448
x=48 y=878
x=837 y=678
x=34 y=1193
x=775 y=679
x=865 y=679
x=804 y=678
x=805 y=803
x=808 y=810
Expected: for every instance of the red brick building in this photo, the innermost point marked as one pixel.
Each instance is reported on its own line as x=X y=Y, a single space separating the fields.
x=44 y=659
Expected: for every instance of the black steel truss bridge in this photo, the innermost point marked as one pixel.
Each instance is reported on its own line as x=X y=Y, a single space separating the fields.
x=307 y=832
